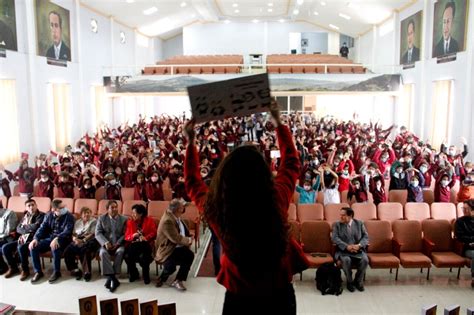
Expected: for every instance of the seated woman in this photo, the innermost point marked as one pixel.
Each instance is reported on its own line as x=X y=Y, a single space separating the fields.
x=83 y=245
x=140 y=235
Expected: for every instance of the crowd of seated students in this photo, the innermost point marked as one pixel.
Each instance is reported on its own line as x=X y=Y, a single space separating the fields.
x=336 y=156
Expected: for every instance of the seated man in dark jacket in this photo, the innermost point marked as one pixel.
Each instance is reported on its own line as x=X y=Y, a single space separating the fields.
x=54 y=234
x=464 y=231
x=31 y=221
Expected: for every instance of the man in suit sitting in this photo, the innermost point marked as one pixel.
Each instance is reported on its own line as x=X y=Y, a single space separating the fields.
x=447 y=44
x=58 y=50
x=110 y=233
x=351 y=239
x=413 y=53
x=172 y=245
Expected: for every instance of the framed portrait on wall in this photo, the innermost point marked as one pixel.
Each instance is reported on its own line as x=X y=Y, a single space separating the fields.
x=8 y=38
x=53 y=31
x=449 y=27
x=410 y=38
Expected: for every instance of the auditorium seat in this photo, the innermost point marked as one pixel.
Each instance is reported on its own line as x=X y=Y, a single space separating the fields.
x=379 y=251
x=408 y=245
x=296 y=198
x=398 y=195
x=389 y=211
x=310 y=212
x=459 y=210
x=16 y=203
x=295 y=229
x=100 y=193
x=68 y=203
x=297 y=69
x=364 y=211
x=192 y=217
x=157 y=208
x=149 y=70
x=207 y=69
x=292 y=212
x=127 y=193
x=443 y=211
x=428 y=196
x=359 y=69
x=332 y=212
x=128 y=204
x=316 y=242
x=16 y=190
x=89 y=203
x=43 y=203
x=285 y=69
x=439 y=245
x=273 y=69
x=102 y=206
x=418 y=211
x=346 y=69
x=334 y=69
x=4 y=201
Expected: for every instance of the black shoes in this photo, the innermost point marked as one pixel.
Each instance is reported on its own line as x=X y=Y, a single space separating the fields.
x=134 y=275
x=54 y=277
x=37 y=277
x=108 y=282
x=360 y=287
x=146 y=275
x=77 y=274
x=87 y=277
x=350 y=287
x=114 y=285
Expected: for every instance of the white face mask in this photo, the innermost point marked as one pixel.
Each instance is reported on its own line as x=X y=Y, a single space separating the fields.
x=213 y=151
x=87 y=186
x=452 y=152
x=444 y=183
x=154 y=179
x=113 y=182
x=130 y=169
x=384 y=159
x=44 y=179
x=379 y=186
x=414 y=184
x=357 y=187
x=423 y=169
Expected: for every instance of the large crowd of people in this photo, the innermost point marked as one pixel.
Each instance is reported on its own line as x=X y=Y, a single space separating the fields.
x=335 y=156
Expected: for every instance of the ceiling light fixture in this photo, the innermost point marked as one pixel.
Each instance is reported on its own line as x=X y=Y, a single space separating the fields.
x=270 y=10
x=344 y=16
x=236 y=11
x=323 y=3
x=315 y=13
x=333 y=26
x=235 y=5
x=299 y=2
x=183 y=4
x=227 y=21
x=130 y=1
x=296 y=11
x=150 y=11
x=255 y=21
x=281 y=20
x=270 y=4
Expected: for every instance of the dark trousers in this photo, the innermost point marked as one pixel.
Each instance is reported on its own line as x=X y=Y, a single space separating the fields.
x=9 y=250
x=85 y=252
x=281 y=301
x=3 y=265
x=181 y=256
x=43 y=247
x=216 y=252
x=138 y=252
x=360 y=263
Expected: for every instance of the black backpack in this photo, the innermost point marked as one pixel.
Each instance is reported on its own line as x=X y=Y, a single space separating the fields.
x=328 y=279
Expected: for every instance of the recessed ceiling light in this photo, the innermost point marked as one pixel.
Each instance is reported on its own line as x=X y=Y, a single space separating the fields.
x=281 y=20
x=227 y=21
x=183 y=4
x=130 y=1
x=270 y=4
x=315 y=13
x=344 y=16
x=236 y=11
x=150 y=11
x=296 y=11
x=299 y=2
x=235 y=5
x=333 y=26
x=255 y=21
x=270 y=10
x=323 y=3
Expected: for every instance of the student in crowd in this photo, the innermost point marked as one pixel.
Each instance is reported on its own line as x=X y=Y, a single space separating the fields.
x=357 y=191
x=308 y=193
x=416 y=181
x=140 y=235
x=244 y=199
x=329 y=186
x=464 y=231
x=7 y=233
x=84 y=246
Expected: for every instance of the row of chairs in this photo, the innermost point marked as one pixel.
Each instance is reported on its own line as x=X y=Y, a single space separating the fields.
x=409 y=243
x=205 y=64
x=316 y=69
x=156 y=209
x=385 y=211
x=307 y=58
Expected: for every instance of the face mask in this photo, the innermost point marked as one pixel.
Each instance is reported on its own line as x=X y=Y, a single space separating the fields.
x=408 y=160
x=316 y=162
x=327 y=172
x=307 y=188
x=444 y=183
x=130 y=169
x=379 y=186
x=345 y=172
x=213 y=151
x=423 y=169
x=113 y=182
x=452 y=152
x=414 y=184
x=399 y=171
x=44 y=179
x=171 y=156
x=468 y=170
x=154 y=179
x=87 y=186
x=203 y=174
x=384 y=159
x=357 y=186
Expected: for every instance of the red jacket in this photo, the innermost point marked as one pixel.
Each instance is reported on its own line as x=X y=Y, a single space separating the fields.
x=154 y=191
x=295 y=261
x=148 y=230
x=26 y=178
x=443 y=194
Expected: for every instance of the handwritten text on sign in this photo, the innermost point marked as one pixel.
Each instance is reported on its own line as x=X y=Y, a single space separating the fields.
x=235 y=97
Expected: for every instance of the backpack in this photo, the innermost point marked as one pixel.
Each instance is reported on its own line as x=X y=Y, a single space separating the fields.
x=328 y=279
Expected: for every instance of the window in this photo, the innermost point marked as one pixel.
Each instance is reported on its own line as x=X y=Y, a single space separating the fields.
x=282 y=102
x=404 y=118
x=441 y=104
x=59 y=99
x=296 y=103
x=98 y=105
x=9 y=143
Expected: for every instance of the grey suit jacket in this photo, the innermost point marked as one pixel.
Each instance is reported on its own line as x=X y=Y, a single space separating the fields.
x=103 y=229
x=341 y=237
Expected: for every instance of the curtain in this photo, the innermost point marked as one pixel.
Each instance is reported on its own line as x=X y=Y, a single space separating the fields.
x=60 y=102
x=9 y=143
x=441 y=104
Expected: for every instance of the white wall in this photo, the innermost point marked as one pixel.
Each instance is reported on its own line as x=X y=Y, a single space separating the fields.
x=317 y=42
x=92 y=56
x=173 y=47
x=242 y=37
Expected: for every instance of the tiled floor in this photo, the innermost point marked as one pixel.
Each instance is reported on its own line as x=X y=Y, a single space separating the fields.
x=204 y=296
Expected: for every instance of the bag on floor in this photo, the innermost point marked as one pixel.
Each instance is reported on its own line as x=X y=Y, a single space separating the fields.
x=328 y=279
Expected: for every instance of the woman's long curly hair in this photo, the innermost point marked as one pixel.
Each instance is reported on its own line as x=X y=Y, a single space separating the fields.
x=242 y=201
